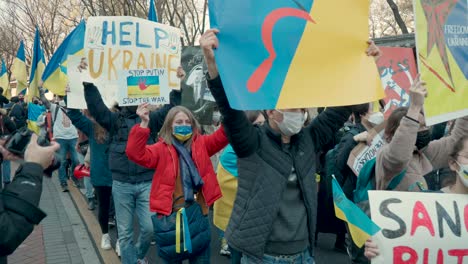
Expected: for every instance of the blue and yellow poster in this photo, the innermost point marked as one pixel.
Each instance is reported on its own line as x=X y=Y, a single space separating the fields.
x=294 y=53
x=442 y=44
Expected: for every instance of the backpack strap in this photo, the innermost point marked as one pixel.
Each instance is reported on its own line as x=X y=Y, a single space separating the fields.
x=395 y=181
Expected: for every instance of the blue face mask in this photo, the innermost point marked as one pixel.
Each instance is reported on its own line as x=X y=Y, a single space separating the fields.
x=183 y=133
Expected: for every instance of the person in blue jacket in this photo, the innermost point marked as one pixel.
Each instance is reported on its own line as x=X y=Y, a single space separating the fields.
x=101 y=177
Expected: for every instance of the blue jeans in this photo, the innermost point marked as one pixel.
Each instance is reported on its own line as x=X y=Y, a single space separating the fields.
x=6 y=171
x=131 y=199
x=66 y=145
x=202 y=258
x=87 y=180
x=301 y=258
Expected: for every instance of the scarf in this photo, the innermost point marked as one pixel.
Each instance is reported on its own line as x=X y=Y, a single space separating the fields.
x=191 y=179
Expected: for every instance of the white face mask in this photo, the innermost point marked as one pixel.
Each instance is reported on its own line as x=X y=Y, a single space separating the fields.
x=61 y=103
x=216 y=116
x=292 y=123
x=463 y=173
x=376 y=118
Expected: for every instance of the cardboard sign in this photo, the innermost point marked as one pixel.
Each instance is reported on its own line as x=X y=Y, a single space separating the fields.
x=116 y=44
x=294 y=54
x=441 y=42
x=144 y=86
x=397 y=68
x=362 y=153
x=420 y=227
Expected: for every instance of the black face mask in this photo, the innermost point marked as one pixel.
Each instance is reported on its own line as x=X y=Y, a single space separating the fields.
x=423 y=139
x=36 y=102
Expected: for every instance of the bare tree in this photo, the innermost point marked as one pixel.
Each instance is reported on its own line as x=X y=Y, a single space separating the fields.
x=391 y=17
x=54 y=18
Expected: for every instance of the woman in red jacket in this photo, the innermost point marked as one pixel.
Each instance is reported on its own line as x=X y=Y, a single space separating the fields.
x=184 y=183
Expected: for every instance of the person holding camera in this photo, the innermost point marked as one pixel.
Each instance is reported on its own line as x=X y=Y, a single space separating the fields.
x=19 y=201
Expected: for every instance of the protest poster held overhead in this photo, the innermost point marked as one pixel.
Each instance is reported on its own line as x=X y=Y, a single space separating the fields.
x=442 y=52
x=294 y=54
x=117 y=44
x=420 y=227
x=397 y=68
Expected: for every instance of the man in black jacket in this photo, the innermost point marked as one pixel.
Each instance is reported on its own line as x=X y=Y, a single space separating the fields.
x=19 y=201
x=18 y=113
x=131 y=182
x=275 y=210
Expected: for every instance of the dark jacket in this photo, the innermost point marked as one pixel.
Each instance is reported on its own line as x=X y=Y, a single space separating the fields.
x=344 y=148
x=19 y=113
x=264 y=169
x=119 y=125
x=19 y=210
x=3 y=101
x=7 y=127
x=100 y=173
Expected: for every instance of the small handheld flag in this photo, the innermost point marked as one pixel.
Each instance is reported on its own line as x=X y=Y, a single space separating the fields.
x=360 y=225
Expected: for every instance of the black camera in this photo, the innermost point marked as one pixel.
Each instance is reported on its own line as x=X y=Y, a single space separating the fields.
x=18 y=142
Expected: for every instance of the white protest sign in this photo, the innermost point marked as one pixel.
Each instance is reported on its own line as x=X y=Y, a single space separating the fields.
x=420 y=227
x=75 y=95
x=116 y=44
x=144 y=86
x=362 y=153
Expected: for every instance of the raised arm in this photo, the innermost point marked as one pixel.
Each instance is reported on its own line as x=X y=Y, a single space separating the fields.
x=80 y=121
x=137 y=150
x=44 y=100
x=216 y=142
x=438 y=151
x=97 y=108
x=324 y=127
x=242 y=135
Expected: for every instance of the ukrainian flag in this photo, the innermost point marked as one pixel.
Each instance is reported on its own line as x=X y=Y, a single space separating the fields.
x=4 y=82
x=37 y=67
x=19 y=70
x=360 y=225
x=55 y=74
x=141 y=86
x=152 y=15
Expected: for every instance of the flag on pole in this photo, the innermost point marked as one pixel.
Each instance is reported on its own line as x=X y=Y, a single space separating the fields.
x=152 y=15
x=37 y=67
x=4 y=82
x=19 y=70
x=55 y=74
x=360 y=225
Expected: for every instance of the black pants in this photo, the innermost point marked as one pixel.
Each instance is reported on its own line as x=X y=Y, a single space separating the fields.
x=104 y=194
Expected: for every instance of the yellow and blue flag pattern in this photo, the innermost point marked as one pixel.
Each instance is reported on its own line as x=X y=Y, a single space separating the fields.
x=297 y=54
x=55 y=74
x=360 y=225
x=37 y=67
x=140 y=86
x=152 y=15
x=19 y=70
x=4 y=81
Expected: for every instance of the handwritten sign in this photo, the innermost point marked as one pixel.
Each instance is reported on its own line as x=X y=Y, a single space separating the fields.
x=144 y=86
x=397 y=68
x=116 y=44
x=442 y=52
x=362 y=153
x=420 y=227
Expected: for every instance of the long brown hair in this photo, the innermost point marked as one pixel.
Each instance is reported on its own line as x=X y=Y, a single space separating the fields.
x=166 y=130
x=393 y=122
x=100 y=133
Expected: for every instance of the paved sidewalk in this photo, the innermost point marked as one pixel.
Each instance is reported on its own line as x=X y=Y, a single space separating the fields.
x=61 y=237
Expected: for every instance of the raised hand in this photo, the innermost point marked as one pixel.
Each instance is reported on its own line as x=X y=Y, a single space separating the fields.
x=180 y=73
x=143 y=113
x=373 y=50
x=418 y=93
